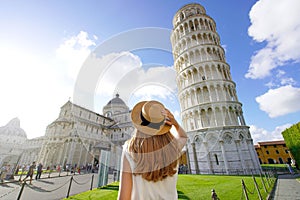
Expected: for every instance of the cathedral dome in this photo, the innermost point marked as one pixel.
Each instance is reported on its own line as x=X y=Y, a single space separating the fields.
x=115 y=106
x=116 y=100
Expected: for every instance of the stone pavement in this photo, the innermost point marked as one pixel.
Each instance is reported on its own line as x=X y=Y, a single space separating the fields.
x=53 y=188
x=287 y=187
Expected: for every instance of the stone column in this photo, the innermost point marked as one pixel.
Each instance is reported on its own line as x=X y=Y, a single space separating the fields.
x=224 y=156
x=86 y=155
x=60 y=154
x=195 y=158
x=71 y=151
x=79 y=160
x=66 y=148
x=254 y=158
x=238 y=147
x=210 y=168
x=188 y=160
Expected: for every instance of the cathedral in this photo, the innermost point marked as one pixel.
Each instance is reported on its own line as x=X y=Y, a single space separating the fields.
x=75 y=138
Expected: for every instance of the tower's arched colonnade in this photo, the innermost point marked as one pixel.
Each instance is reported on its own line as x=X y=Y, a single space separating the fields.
x=219 y=139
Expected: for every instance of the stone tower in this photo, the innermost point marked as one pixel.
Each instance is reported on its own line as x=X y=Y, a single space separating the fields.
x=219 y=139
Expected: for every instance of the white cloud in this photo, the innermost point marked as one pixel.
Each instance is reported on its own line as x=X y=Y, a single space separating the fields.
x=280 y=101
x=281 y=80
x=277 y=23
x=262 y=135
x=33 y=87
x=124 y=73
x=115 y=67
x=287 y=81
x=73 y=52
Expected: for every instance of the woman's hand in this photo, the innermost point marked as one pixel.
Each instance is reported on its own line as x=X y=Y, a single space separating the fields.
x=170 y=120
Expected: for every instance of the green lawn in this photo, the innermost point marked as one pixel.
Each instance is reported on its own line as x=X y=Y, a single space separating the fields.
x=194 y=187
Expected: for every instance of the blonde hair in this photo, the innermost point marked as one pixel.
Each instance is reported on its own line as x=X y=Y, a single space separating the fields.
x=156 y=157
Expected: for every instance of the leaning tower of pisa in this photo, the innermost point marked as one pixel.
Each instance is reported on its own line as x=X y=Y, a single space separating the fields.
x=219 y=139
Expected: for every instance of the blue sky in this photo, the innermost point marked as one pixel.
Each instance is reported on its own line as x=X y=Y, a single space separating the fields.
x=45 y=45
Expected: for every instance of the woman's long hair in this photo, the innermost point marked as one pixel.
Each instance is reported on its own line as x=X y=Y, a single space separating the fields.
x=156 y=157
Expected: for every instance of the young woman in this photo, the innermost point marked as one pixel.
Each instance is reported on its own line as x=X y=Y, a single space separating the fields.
x=150 y=157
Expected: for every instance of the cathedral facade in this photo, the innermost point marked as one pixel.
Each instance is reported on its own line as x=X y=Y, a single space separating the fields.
x=75 y=138
x=78 y=135
x=219 y=139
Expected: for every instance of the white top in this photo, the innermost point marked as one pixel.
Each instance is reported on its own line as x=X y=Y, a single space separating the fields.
x=149 y=190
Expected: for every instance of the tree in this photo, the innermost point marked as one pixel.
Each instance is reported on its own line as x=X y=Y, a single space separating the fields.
x=292 y=139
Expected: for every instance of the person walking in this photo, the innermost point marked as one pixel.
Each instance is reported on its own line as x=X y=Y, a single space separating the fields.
x=39 y=171
x=289 y=166
x=3 y=173
x=150 y=159
x=30 y=172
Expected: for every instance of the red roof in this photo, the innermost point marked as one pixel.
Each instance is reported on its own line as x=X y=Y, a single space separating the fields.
x=271 y=142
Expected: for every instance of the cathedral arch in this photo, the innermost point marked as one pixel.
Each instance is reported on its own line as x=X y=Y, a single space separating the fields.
x=195 y=75
x=214 y=72
x=196 y=23
x=192 y=57
x=204 y=119
x=241 y=138
x=205 y=93
x=197 y=119
x=200 y=38
x=219 y=118
x=211 y=117
x=228 y=138
x=213 y=94
x=198 y=139
x=208 y=72
x=186 y=28
x=212 y=139
x=193 y=102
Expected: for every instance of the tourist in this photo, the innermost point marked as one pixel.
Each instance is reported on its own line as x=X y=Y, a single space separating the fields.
x=30 y=172
x=39 y=171
x=3 y=173
x=150 y=158
x=290 y=167
x=58 y=169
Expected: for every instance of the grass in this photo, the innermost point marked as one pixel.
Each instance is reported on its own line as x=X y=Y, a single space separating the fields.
x=191 y=187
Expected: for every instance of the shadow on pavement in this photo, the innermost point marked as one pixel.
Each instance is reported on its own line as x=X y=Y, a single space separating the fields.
x=47 y=182
x=35 y=188
x=5 y=185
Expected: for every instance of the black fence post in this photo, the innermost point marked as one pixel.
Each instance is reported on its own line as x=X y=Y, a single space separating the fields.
x=21 y=191
x=244 y=190
x=257 y=189
x=263 y=182
x=92 y=182
x=267 y=180
x=70 y=186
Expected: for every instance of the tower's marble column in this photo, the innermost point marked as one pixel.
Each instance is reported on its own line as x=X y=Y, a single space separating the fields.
x=224 y=155
x=195 y=158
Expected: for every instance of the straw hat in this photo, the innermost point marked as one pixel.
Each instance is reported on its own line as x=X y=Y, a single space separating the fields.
x=147 y=117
